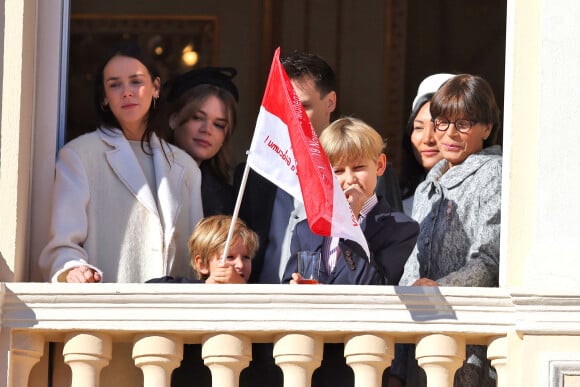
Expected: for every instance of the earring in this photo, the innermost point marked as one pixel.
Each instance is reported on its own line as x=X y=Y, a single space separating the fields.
x=155 y=102
x=104 y=105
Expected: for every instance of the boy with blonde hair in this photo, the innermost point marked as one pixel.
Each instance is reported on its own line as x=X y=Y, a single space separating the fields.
x=355 y=151
x=207 y=244
x=206 y=247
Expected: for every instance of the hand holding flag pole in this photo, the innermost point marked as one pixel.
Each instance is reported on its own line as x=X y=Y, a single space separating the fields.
x=236 y=211
x=286 y=151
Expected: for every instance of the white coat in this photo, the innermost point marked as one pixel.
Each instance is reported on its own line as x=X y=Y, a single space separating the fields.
x=105 y=215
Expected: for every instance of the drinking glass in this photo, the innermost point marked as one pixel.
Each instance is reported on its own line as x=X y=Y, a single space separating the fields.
x=309 y=266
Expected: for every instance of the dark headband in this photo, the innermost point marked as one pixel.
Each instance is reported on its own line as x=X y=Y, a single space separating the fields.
x=217 y=76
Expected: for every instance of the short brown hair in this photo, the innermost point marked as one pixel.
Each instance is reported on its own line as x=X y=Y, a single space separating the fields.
x=469 y=97
x=209 y=239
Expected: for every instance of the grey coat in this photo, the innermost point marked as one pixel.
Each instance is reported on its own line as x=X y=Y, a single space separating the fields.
x=459 y=210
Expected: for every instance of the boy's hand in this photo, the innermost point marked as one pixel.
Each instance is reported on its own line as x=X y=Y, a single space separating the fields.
x=296 y=277
x=225 y=274
x=356 y=198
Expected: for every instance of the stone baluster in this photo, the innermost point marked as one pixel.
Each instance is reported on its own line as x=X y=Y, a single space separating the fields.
x=440 y=356
x=226 y=355
x=298 y=355
x=497 y=352
x=25 y=351
x=87 y=354
x=368 y=356
x=157 y=356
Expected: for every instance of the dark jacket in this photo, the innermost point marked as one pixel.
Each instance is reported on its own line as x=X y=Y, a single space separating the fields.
x=388 y=187
x=258 y=203
x=391 y=236
x=217 y=196
x=256 y=211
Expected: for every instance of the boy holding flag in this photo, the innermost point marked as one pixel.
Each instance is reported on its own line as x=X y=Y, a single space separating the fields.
x=355 y=151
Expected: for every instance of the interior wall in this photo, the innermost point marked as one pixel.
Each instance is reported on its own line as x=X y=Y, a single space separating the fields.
x=447 y=36
x=380 y=52
x=330 y=28
x=383 y=50
x=240 y=43
x=353 y=40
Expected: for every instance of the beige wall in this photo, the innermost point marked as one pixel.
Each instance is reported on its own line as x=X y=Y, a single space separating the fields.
x=16 y=143
x=521 y=120
x=2 y=54
x=2 y=259
x=544 y=353
x=540 y=244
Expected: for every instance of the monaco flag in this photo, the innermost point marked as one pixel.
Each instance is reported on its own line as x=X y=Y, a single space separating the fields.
x=286 y=151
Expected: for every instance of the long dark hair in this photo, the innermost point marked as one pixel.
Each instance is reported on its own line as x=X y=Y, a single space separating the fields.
x=412 y=171
x=106 y=116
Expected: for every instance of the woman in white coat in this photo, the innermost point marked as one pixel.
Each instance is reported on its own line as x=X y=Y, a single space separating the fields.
x=124 y=201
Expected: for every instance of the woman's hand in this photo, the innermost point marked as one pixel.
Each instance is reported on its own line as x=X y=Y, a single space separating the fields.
x=425 y=282
x=225 y=274
x=82 y=274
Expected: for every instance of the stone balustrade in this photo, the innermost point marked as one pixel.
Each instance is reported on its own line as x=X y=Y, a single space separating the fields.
x=158 y=319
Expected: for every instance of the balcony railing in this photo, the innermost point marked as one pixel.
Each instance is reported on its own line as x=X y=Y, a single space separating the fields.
x=157 y=319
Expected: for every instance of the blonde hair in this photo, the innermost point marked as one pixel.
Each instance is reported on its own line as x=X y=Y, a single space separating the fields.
x=209 y=239
x=348 y=139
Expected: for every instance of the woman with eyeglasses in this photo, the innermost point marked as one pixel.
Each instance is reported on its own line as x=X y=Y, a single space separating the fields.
x=459 y=204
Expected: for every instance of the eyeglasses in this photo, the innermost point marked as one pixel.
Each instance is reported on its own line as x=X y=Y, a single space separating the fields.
x=462 y=126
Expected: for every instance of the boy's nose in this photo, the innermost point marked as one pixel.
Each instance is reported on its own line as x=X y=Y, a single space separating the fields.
x=238 y=263
x=349 y=177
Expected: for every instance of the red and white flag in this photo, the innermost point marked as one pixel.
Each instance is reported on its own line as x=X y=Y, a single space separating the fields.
x=286 y=151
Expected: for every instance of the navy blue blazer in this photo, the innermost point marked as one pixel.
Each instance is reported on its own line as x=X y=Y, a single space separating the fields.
x=391 y=236
x=258 y=203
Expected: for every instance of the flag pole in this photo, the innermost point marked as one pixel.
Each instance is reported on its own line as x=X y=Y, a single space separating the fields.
x=236 y=210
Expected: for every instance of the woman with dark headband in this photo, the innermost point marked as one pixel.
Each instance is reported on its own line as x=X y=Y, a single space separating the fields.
x=202 y=111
